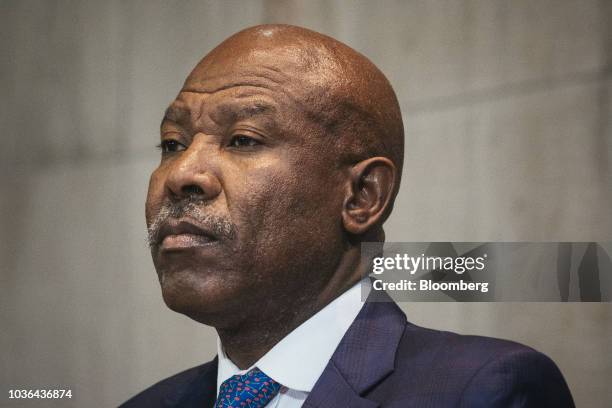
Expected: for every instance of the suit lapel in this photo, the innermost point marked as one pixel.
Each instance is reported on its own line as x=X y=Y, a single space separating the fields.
x=365 y=356
x=332 y=391
x=201 y=392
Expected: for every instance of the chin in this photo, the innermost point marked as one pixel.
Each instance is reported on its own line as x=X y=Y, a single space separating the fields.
x=205 y=299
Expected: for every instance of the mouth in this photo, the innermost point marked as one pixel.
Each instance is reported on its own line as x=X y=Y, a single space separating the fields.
x=175 y=235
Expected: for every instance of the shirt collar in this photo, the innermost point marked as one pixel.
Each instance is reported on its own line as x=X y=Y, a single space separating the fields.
x=298 y=360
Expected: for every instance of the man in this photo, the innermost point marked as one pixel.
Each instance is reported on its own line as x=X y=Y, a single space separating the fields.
x=280 y=155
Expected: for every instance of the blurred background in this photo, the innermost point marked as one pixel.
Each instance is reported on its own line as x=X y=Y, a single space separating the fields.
x=507 y=109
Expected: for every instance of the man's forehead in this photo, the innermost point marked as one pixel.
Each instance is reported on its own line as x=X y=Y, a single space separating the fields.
x=252 y=81
x=284 y=64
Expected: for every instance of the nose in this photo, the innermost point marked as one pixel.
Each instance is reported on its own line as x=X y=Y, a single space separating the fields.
x=191 y=174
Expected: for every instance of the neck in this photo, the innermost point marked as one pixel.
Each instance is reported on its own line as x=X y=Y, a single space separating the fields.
x=247 y=343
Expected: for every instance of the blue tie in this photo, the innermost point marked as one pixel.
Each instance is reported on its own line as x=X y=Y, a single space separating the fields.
x=253 y=389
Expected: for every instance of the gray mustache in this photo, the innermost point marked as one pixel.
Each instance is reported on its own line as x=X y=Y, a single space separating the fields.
x=193 y=209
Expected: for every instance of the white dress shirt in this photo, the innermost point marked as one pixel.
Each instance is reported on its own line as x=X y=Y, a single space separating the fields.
x=298 y=360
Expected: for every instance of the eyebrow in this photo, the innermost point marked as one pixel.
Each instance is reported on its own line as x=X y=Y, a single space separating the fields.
x=237 y=111
x=176 y=115
x=230 y=110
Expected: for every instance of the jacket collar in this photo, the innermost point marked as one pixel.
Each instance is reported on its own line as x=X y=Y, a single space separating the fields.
x=364 y=357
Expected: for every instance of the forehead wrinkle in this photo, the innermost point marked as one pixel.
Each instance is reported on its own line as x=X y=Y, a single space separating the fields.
x=263 y=75
x=252 y=73
x=246 y=79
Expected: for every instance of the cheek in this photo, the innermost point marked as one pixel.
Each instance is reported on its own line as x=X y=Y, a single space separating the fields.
x=154 y=195
x=284 y=203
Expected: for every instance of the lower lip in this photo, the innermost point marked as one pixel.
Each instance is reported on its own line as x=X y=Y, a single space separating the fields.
x=185 y=241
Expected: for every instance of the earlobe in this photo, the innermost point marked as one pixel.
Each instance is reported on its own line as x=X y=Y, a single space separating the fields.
x=372 y=184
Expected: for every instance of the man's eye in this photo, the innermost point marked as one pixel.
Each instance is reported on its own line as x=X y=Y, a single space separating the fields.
x=168 y=146
x=243 y=141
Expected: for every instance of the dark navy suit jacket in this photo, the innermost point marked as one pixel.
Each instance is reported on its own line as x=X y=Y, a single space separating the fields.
x=385 y=361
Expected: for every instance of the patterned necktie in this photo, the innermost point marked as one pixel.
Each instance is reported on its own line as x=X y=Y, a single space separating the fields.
x=253 y=389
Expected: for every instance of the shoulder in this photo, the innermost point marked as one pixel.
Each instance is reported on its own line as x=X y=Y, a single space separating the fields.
x=479 y=371
x=169 y=391
x=517 y=375
x=465 y=351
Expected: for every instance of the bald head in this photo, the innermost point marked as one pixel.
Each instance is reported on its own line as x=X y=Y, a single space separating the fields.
x=334 y=86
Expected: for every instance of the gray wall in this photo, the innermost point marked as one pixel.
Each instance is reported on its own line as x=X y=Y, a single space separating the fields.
x=508 y=126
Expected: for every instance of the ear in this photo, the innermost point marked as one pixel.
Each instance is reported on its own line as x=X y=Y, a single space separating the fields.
x=371 y=186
